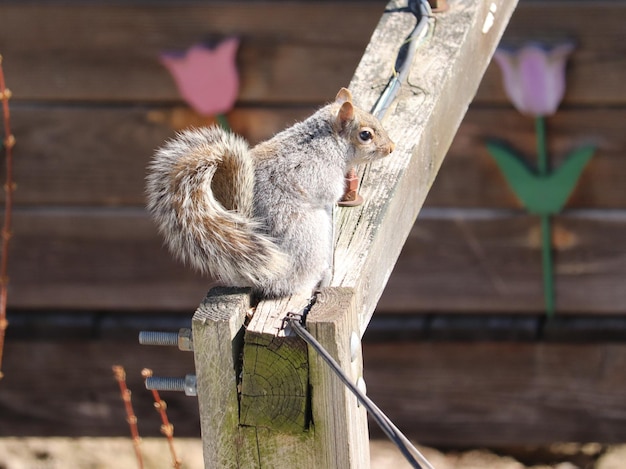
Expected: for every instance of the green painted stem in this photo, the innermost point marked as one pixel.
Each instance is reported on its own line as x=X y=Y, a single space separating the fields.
x=548 y=265
x=222 y=121
x=546 y=228
x=542 y=147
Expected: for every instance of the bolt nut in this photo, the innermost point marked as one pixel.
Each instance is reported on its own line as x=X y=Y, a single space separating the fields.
x=185 y=339
x=351 y=196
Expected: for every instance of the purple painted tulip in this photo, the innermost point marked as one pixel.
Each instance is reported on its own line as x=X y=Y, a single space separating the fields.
x=534 y=77
x=206 y=77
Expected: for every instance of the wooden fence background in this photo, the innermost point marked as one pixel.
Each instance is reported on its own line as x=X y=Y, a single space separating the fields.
x=91 y=102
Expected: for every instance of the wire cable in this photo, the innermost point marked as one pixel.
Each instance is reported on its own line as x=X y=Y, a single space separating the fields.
x=410 y=452
x=423 y=15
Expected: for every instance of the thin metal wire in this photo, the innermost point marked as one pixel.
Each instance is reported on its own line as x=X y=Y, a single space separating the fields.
x=410 y=452
x=423 y=15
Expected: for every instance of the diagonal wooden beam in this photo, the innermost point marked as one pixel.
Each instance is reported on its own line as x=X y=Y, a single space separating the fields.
x=442 y=82
x=292 y=412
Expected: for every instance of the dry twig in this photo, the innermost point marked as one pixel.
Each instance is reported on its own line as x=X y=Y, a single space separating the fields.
x=166 y=428
x=9 y=187
x=120 y=376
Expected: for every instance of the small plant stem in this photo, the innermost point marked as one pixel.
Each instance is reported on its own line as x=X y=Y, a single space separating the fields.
x=120 y=377
x=9 y=187
x=166 y=428
x=546 y=225
x=222 y=121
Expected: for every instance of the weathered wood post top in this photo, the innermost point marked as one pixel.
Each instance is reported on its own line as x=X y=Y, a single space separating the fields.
x=265 y=399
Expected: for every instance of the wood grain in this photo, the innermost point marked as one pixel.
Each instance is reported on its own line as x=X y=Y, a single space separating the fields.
x=423 y=122
x=290 y=51
x=340 y=424
x=493 y=265
x=275 y=387
x=98 y=155
x=474 y=394
x=96 y=259
x=218 y=341
x=460 y=261
x=100 y=52
x=54 y=387
x=275 y=390
x=469 y=176
x=440 y=393
x=596 y=71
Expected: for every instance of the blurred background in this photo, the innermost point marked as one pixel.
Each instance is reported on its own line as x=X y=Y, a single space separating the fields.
x=460 y=351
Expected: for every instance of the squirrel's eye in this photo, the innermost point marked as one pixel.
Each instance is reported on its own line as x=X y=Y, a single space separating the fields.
x=365 y=135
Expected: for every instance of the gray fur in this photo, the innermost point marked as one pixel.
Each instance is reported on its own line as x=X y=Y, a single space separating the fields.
x=274 y=233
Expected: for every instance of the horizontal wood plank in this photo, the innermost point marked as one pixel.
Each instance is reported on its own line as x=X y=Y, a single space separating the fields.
x=500 y=393
x=291 y=51
x=446 y=394
x=102 y=52
x=463 y=262
x=595 y=71
x=53 y=388
x=96 y=259
x=69 y=157
x=493 y=265
x=98 y=155
x=469 y=176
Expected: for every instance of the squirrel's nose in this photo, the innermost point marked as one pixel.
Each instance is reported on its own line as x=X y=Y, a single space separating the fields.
x=392 y=147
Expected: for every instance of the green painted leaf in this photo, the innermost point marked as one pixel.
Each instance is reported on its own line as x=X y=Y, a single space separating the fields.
x=540 y=195
x=563 y=180
x=524 y=182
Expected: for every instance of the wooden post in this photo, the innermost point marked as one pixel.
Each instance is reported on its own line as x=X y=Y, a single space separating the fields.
x=218 y=340
x=340 y=423
x=271 y=402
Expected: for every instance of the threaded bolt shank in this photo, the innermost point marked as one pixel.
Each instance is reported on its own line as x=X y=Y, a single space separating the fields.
x=183 y=339
x=158 y=338
x=168 y=383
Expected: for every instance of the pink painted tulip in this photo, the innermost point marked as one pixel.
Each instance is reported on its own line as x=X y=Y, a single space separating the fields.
x=534 y=77
x=207 y=78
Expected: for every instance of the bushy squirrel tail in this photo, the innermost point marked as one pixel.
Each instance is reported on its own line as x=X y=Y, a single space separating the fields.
x=200 y=192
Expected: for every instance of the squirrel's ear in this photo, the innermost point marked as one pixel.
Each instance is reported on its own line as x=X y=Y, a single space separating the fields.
x=346 y=114
x=343 y=96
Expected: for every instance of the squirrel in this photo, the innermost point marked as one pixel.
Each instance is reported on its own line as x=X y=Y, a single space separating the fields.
x=261 y=217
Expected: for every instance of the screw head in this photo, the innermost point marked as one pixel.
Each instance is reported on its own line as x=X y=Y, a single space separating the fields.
x=355 y=346
x=360 y=383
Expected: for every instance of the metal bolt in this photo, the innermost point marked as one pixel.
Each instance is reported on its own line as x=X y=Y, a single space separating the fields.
x=183 y=338
x=351 y=196
x=158 y=338
x=188 y=384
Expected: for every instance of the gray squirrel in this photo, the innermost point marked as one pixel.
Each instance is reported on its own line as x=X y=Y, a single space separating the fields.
x=261 y=217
